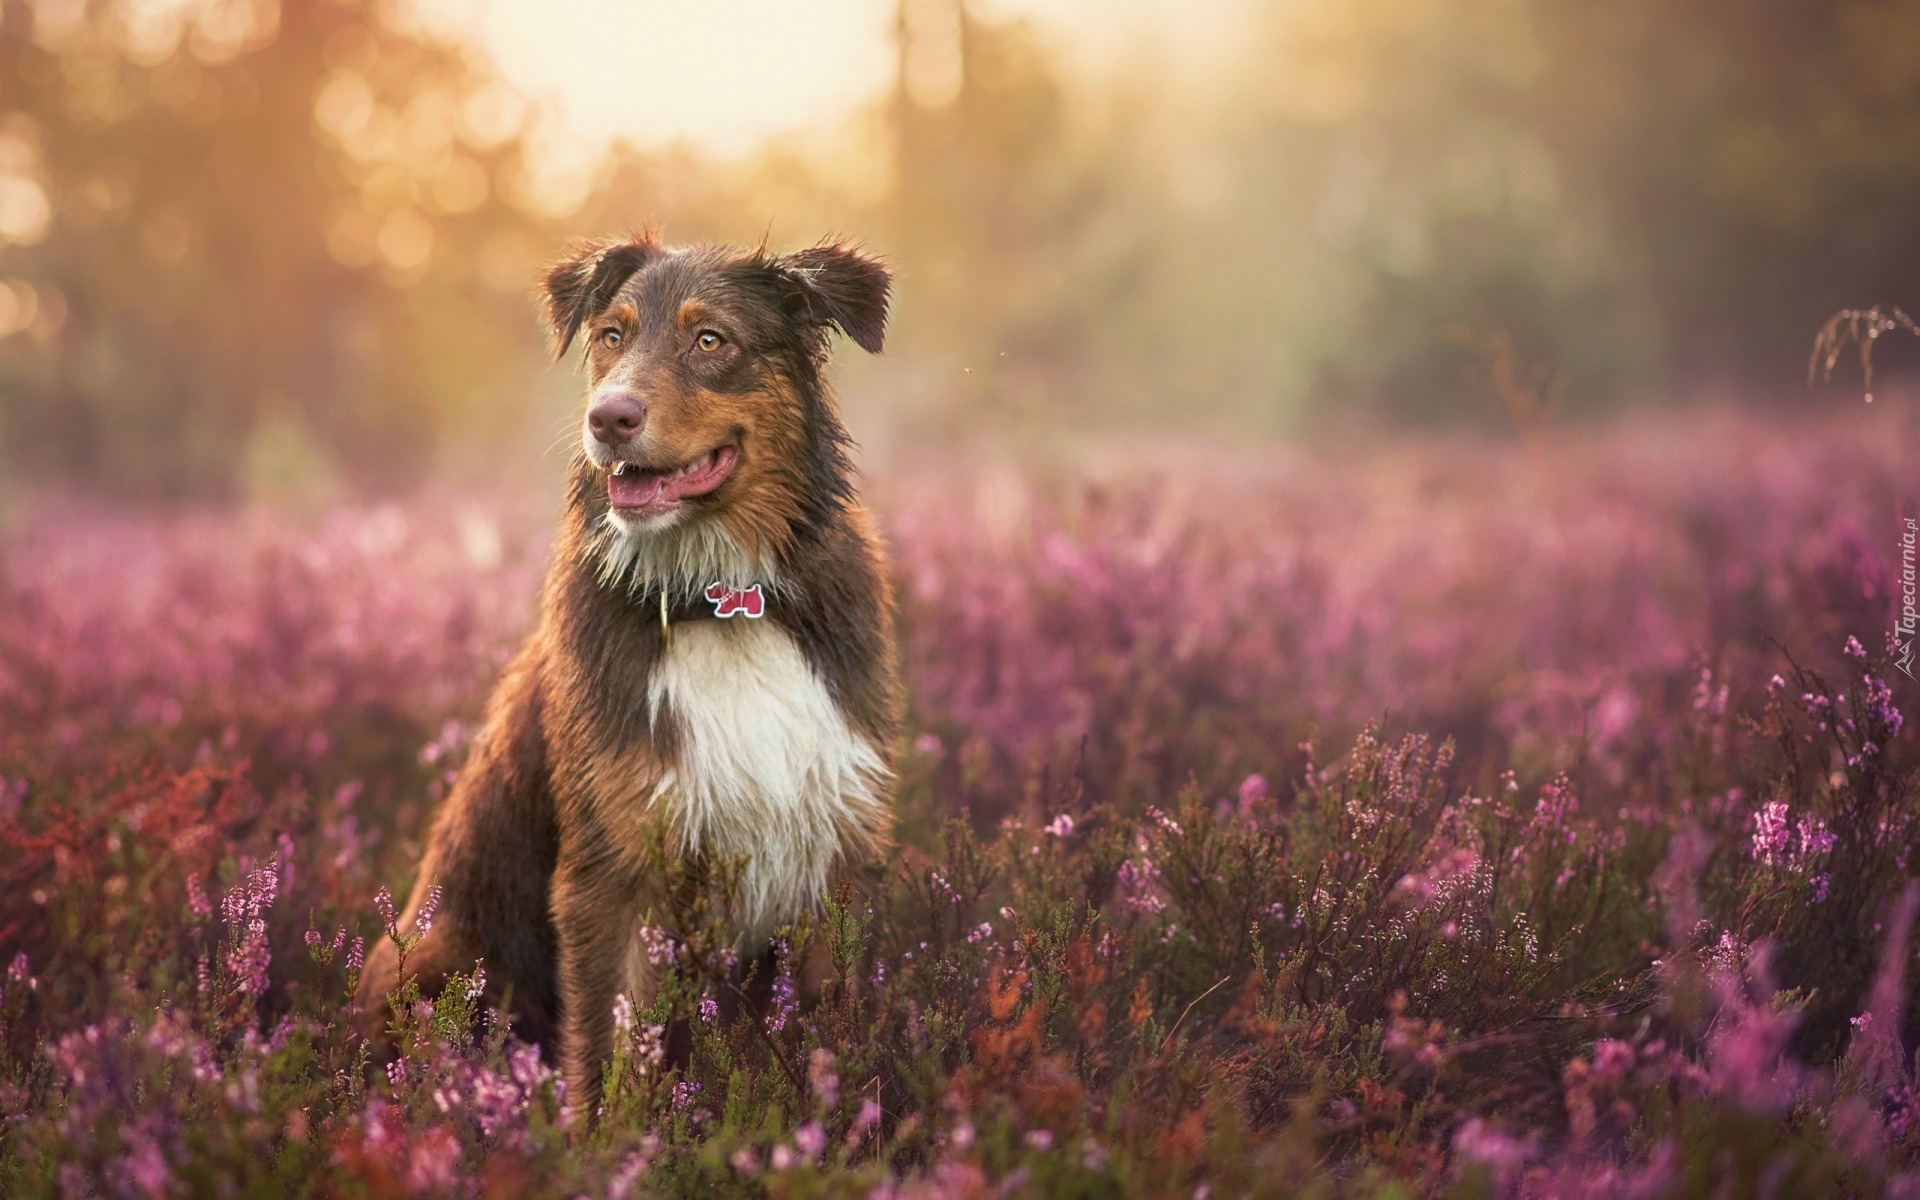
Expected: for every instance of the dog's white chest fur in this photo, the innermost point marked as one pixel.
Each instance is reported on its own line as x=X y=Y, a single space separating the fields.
x=767 y=765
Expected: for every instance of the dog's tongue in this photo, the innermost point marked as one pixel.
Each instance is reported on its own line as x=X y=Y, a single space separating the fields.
x=661 y=489
x=640 y=489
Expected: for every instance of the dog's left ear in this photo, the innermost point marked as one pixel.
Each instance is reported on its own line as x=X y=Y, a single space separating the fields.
x=842 y=287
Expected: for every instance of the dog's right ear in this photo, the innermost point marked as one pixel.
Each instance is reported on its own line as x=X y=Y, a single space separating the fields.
x=581 y=285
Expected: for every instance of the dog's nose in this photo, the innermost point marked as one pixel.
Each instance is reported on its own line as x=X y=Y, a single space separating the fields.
x=616 y=418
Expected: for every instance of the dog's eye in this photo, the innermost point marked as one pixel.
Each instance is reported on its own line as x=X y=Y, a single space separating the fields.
x=610 y=338
x=708 y=340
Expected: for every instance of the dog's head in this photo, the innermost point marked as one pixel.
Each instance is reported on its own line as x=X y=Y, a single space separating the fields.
x=704 y=401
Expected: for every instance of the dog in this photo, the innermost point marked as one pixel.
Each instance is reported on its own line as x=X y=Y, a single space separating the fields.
x=713 y=669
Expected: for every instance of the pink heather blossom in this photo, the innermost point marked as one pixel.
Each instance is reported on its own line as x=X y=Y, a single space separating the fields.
x=1502 y=1154
x=249 y=959
x=430 y=904
x=144 y=1165
x=1060 y=826
x=1880 y=708
x=660 y=947
x=433 y=1161
x=1137 y=885
x=785 y=1000
x=1612 y=1058
x=1747 y=1061
x=383 y=902
x=1706 y=698
x=1875 y=1051
x=684 y=1093
x=197 y=902
x=1251 y=791
x=649 y=1047
x=810 y=1140
x=821 y=1077
x=1770 y=837
x=1903 y=1111
x=1776 y=843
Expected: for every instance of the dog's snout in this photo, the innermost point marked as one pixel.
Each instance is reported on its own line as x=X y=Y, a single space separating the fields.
x=617 y=418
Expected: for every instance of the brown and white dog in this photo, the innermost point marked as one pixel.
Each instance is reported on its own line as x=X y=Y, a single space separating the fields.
x=714 y=659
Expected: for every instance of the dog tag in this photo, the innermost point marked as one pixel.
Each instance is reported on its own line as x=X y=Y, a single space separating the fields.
x=745 y=602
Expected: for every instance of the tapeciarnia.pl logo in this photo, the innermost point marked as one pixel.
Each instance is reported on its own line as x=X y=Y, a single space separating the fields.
x=1904 y=626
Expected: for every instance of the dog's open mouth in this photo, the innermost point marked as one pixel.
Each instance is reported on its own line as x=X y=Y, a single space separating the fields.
x=637 y=491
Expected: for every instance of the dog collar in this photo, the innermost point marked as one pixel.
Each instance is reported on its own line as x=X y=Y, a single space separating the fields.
x=719 y=601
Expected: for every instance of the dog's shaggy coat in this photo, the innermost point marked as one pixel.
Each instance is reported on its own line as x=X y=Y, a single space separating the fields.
x=767 y=738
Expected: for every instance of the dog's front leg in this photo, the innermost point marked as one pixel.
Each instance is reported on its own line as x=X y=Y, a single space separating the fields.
x=595 y=902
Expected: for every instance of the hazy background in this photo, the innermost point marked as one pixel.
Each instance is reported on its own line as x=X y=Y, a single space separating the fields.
x=251 y=249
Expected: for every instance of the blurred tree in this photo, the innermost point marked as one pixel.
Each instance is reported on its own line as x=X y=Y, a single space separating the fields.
x=1630 y=196
x=248 y=246
x=268 y=246
x=1756 y=162
x=1002 y=213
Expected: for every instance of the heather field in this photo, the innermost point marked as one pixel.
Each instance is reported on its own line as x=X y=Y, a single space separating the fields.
x=1447 y=817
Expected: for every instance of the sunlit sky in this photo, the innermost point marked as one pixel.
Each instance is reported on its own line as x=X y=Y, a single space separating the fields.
x=729 y=73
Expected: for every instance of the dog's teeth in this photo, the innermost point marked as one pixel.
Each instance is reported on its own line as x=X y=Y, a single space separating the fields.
x=620 y=469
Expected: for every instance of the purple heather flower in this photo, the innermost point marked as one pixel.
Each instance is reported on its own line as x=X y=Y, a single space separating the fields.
x=383 y=901
x=1252 y=790
x=810 y=1140
x=1770 y=835
x=1612 y=1058
x=198 y=904
x=785 y=1002
x=430 y=904
x=1138 y=886
x=660 y=946
x=821 y=1077
x=1478 y=1141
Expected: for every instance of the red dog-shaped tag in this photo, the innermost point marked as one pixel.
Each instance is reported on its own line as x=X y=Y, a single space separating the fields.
x=748 y=602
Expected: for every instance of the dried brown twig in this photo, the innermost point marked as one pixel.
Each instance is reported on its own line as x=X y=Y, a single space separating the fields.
x=1859 y=327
